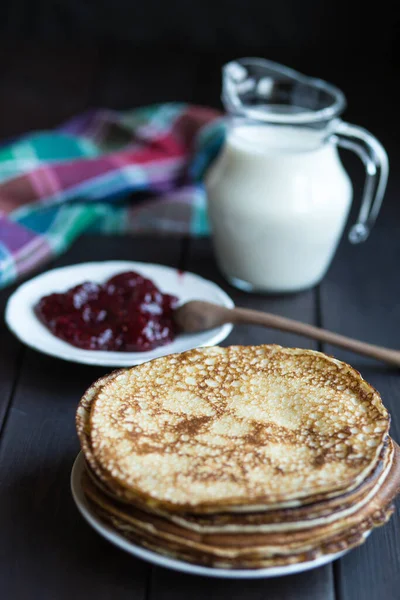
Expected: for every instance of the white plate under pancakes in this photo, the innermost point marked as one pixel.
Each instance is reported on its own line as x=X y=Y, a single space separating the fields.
x=117 y=539
x=23 y=322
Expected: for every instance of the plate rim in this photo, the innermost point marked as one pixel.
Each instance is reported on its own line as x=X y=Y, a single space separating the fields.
x=131 y=358
x=175 y=564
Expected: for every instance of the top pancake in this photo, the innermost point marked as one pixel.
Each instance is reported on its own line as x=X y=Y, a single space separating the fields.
x=239 y=428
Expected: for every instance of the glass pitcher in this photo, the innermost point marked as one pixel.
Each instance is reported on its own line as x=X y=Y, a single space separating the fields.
x=278 y=195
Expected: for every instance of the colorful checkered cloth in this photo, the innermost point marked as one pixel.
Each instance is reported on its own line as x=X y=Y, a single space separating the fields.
x=105 y=171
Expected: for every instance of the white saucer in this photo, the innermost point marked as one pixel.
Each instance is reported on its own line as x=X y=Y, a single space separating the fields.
x=22 y=321
x=171 y=563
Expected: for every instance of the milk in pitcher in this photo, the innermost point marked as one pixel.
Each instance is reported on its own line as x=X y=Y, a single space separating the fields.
x=278 y=199
x=278 y=195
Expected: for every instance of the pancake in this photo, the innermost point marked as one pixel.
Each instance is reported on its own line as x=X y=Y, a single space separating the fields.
x=234 y=429
x=320 y=513
x=173 y=550
x=82 y=421
x=285 y=540
x=254 y=553
x=269 y=556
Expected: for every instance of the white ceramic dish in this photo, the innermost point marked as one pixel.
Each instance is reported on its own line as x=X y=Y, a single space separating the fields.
x=170 y=563
x=23 y=322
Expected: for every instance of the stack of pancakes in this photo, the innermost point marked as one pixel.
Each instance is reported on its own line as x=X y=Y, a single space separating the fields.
x=239 y=457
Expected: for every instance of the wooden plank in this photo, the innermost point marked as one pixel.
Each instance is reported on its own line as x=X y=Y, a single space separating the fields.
x=314 y=585
x=359 y=298
x=167 y=585
x=47 y=551
x=163 y=250
x=10 y=360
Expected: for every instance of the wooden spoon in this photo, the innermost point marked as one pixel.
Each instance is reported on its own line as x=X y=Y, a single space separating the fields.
x=196 y=316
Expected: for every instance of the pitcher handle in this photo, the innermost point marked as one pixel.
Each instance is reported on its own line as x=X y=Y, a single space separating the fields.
x=376 y=163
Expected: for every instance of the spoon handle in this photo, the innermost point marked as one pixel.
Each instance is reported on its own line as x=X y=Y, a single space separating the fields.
x=244 y=315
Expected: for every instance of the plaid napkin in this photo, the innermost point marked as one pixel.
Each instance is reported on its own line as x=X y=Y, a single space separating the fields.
x=105 y=171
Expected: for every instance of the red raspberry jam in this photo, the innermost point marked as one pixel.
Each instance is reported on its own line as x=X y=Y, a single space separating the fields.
x=127 y=313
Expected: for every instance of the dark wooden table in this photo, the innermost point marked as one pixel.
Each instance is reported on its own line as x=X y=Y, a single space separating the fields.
x=49 y=553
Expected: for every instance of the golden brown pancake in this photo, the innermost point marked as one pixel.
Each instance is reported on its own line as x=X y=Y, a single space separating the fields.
x=233 y=429
x=339 y=543
x=244 y=457
x=309 y=515
x=286 y=541
x=290 y=548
